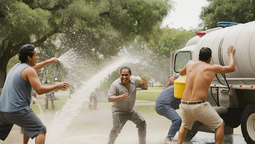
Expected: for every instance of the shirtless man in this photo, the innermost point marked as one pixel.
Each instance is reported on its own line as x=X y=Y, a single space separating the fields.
x=199 y=76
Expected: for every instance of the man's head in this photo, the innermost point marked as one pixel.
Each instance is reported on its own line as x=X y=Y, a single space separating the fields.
x=27 y=53
x=125 y=74
x=205 y=54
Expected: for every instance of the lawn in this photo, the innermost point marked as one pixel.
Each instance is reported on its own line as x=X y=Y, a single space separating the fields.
x=62 y=98
x=151 y=94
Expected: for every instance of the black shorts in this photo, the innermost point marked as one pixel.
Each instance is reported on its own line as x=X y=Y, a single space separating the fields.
x=29 y=122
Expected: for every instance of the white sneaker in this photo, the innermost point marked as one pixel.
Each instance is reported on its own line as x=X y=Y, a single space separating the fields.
x=169 y=140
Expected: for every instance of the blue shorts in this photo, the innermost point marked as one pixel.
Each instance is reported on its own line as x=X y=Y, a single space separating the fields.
x=29 y=122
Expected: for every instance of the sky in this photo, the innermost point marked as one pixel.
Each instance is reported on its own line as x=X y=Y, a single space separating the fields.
x=185 y=15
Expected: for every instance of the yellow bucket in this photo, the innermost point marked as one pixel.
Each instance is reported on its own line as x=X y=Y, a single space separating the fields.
x=179 y=85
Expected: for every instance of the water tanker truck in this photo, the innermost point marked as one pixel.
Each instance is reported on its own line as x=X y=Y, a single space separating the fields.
x=232 y=95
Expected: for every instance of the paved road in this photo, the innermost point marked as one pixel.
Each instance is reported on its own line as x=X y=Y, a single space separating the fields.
x=93 y=127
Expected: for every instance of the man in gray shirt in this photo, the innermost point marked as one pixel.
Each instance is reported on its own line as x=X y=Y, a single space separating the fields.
x=123 y=94
x=17 y=94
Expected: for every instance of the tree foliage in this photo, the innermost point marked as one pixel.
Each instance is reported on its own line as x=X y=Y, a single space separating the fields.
x=154 y=55
x=166 y=41
x=99 y=27
x=105 y=85
x=240 y=11
x=151 y=58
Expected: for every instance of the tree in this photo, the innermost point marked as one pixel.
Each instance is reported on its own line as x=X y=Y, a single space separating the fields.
x=166 y=41
x=150 y=57
x=102 y=25
x=240 y=11
x=154 y=55
x=105 y=85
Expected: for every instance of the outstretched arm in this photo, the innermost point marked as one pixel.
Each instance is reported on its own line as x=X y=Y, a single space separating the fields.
x=231 y=66
x=38 y=66
x=183 y=71
x=231 y=52
x=145 y=83
x=29 y=74
x=170 y=81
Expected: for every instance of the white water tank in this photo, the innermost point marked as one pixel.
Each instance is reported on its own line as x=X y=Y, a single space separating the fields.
x=242 y=37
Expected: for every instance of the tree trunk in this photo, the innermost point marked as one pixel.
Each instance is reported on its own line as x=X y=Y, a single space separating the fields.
x=2 y=77
x=12 y=49
x=8 y=54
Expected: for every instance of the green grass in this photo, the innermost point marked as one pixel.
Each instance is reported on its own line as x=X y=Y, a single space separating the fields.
x=58 y=104
x=151 y=94
x=145 y=108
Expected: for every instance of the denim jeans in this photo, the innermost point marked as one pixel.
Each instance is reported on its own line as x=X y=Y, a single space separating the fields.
x=170 y=113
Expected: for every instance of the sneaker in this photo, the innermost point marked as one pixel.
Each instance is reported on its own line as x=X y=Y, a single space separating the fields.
x=169 y=140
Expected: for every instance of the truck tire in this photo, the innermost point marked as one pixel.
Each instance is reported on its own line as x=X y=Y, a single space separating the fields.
x=233 y=117
x=191 y=133
x=248 y=124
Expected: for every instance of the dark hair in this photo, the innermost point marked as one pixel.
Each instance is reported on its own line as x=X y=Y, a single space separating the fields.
x=126 y=67
x=205 y=53
x=26 y=50
x=176 y=76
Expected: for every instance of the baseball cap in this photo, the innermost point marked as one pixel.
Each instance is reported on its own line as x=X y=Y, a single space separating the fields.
x=176 y=76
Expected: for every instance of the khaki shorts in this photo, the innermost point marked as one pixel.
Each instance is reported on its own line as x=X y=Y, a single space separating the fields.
x=202 y=112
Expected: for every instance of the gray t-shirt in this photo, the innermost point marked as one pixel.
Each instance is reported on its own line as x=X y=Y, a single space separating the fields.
x=117 y=88
x=17 y=93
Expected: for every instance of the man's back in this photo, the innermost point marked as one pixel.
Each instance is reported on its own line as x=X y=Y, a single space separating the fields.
x=198 y=79
x=199 y=75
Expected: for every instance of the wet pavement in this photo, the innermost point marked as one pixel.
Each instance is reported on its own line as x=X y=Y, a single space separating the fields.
x=93 y=127
x=208 y=138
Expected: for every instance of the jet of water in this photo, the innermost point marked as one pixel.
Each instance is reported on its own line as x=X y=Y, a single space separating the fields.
x=40 y=108
x=72 y=107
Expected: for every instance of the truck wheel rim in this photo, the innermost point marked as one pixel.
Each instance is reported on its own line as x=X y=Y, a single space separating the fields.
x=251 y=126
